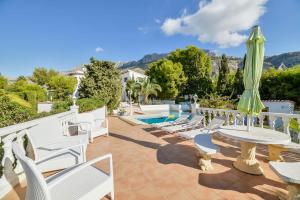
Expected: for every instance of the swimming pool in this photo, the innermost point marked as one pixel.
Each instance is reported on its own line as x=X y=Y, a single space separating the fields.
x=158 y=119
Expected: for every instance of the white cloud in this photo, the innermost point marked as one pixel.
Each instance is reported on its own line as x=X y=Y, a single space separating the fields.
x=218 y=21
x=99 y=49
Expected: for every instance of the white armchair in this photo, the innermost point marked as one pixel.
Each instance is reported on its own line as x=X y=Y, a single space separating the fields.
x=47 y=138
x=82 y=181
x=94 y=126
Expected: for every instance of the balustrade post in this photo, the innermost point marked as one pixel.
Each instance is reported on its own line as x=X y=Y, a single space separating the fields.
x=227 y=118
x=272 y=120
x=261 y=121
x=286 y=125
x=8 y=159
x=234 y=118
x=209 y=116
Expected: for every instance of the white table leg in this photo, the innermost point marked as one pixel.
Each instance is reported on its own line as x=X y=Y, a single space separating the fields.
x=247 y=162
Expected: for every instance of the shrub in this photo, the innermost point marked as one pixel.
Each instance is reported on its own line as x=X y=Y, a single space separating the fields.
x=12 y=112
x=88 y=104
x=61 y=106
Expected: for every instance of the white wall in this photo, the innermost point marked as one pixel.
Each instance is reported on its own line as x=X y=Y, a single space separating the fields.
x=279 y=106
x=44 y=107
x=127 y=76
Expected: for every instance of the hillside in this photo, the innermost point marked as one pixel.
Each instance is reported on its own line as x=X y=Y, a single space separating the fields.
x=288 y=59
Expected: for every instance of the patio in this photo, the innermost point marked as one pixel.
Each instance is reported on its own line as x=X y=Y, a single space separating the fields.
x=149 y=164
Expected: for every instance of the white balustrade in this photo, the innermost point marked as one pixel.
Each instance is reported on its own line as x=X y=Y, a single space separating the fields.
x=238 y=116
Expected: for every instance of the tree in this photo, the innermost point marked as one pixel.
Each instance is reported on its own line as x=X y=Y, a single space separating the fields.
x=169 y=76
x=146 y=88
x=197 y=68
x=62 y=87
x=223 y=78
x=30 y=92
x=238 y=84
x=131 y=89
x=3 y=82
x=42 y=76
x=103 y=81
x=281 y=85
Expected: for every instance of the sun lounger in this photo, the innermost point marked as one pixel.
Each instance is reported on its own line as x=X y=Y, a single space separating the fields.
x=180 y=120
x=195 y=122
x=211 y=128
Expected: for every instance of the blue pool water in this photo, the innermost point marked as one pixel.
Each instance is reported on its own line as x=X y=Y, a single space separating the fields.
x=154 y=120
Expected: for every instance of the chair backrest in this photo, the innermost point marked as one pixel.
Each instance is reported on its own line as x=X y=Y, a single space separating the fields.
x=99 y=113
x=45 y=132
x=196 y=119
x=86 y=117
x=36 y=185
x=215 y=123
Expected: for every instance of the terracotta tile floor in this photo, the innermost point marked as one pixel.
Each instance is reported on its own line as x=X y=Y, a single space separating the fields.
x=149 y=164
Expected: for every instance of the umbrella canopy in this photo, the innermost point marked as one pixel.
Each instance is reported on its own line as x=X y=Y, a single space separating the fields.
x=250 y=102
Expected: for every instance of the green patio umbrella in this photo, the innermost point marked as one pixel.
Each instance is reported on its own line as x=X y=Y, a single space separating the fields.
x=250 y=102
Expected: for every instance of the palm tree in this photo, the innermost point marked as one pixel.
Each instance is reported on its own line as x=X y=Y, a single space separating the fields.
x=145 y=87
x=131 y=89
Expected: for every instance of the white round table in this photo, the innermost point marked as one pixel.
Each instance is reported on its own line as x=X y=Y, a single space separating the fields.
x=247 y=162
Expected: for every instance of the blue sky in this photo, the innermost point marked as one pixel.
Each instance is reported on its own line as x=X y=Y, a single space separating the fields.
x=63 y=34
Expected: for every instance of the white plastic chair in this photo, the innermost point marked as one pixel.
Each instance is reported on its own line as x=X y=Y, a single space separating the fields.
x=95 y=127
x=82 y=181
x=47 y=138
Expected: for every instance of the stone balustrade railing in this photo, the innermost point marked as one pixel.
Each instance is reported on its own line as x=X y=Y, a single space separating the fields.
x=10 y=169
x=278 y=121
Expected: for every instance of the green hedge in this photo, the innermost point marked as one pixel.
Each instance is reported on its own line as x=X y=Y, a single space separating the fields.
x=61 y=106
x=88 y=104
x=12 y=112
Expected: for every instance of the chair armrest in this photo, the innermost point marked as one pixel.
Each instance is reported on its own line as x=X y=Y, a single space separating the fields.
x=104 y=122
x=58 y=152
x=73 y=170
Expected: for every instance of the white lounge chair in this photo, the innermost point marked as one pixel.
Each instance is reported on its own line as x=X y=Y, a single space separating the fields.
x=211 y=128
x=95 y=127
x=179 y=120
x=191 y=124
x=82 y=181
x=289 y=173
x=47 y=138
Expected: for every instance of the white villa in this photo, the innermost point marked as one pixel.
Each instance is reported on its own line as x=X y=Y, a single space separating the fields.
x=127 y=75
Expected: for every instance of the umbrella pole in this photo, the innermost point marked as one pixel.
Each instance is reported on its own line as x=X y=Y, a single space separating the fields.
x=249 y=117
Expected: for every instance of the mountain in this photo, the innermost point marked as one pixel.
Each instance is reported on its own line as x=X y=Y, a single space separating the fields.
x=286 y=59
x=142 y=63
x=289 y=59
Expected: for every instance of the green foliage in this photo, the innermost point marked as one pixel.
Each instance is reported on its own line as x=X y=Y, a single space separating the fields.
x=32 y=93
x=145 y=87
x=223 y=78
x=281 y=85
x=215 y=100
x=62 y=87
x=12 y=112
x=197 y=68
x=42 y=76
x=3 y=82
x=131 y=89
x=88 y=104
x=102 y=81
x=169 y=76
x=61 y=106
x=238 y=84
